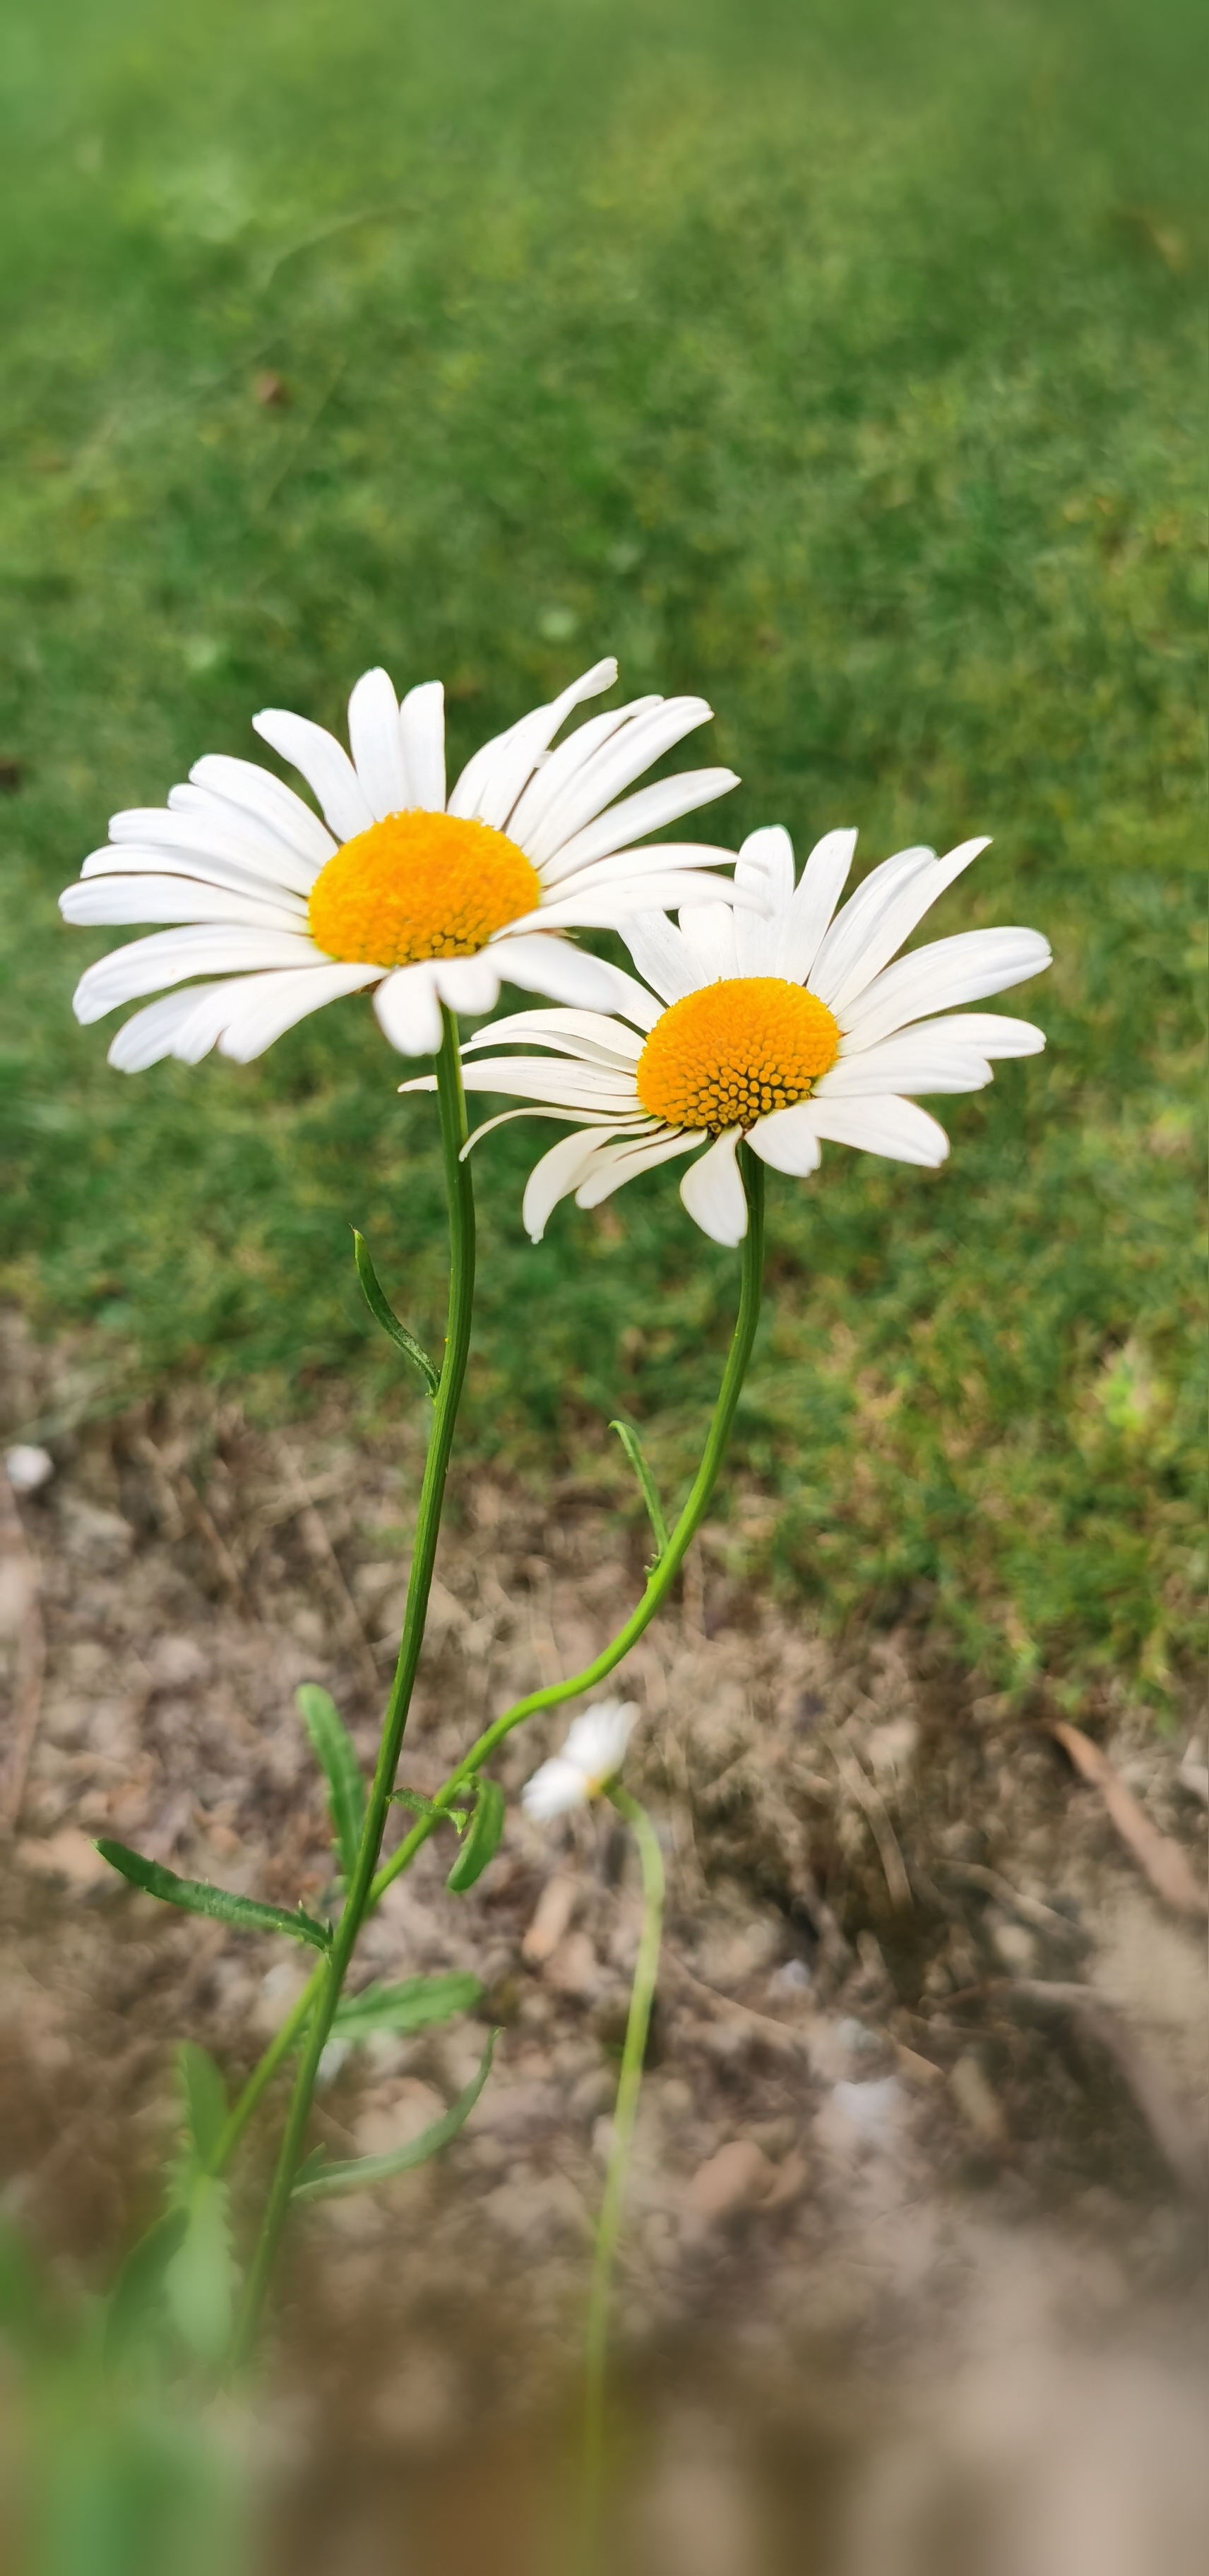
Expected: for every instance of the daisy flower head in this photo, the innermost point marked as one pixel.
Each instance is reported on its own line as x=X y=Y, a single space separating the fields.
x=430 y=898
x=591 y=1757
x=782 y=1020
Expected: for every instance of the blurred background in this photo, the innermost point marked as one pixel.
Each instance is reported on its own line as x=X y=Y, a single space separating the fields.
x=844 y=363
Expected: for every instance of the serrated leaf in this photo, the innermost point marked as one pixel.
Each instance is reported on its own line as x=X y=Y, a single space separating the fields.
x=384 y=1314
x=199 y=2280
x=646 y=1483
x=205 y=2098
x=336 y=1755
x=138 y=2290
x=481 y=1841
x=196 y=1896
x=413 y=2005
x=364 y=2171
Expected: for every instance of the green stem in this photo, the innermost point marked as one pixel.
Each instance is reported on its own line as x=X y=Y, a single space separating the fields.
x=658 y=1585
x=320 y=2009
x=608 y=2231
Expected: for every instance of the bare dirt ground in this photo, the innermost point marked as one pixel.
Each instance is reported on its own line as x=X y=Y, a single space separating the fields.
x=912 y=2283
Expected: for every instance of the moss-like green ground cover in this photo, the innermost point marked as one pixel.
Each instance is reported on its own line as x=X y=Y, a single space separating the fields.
x=841 y=361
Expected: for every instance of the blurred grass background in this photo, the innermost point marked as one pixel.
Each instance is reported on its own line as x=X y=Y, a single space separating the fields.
x=840 y=360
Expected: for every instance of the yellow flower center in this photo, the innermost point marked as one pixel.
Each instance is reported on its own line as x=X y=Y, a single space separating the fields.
x=419 y=885
x=733 y=1052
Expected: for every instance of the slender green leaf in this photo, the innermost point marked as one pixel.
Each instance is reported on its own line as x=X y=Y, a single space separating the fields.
x=196 y=1896
x=633 y=1449
x=205 y=2098
x=482 y=1841
x=412 y=2005
x=336 y=1755
x=199 y=2279
x=364 y=2171
x=419 y=1805
x=138 y=2289
x=385 y=1315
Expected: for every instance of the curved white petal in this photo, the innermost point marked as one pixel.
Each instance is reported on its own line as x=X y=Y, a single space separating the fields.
x=662 y=954
x=713 y=1192
x=853 y=928
x=649 y=811
x=964 y=968
x=635 y=747
x=151 y=1034
x=541 y=964
x=170 y=956
x=587 y=1033
x=122 y=899
x=469 y=984
x=556 y=1175
x=663 y=859
x=556 y=767
x=899 y=1129
x=180 y=857
x=598 y=1738
x=763 y=886
x=631 y=1155
x=409 y=1009
x=198 y=817
x=377 y=744
x=559 y=1785
x=492 y=781
x=923 y=1058
x=708 y=930
x=610 y=904
x=255 y=791
x=595 y=1088
x=807 y=916
x=991 y=1032
x=422 y=729
x=896 y=924
x=267 y=1005
x=786 y=1140
x=324 y=765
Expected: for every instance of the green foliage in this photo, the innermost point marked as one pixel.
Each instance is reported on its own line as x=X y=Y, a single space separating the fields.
x=646 y=1485
x=844 y=363
x=204 y=2098
x=414 y=2004
x=196 y=1896
x=317 y=2181
x=385 y=1315
x=482 y=1838
x=337 y=1758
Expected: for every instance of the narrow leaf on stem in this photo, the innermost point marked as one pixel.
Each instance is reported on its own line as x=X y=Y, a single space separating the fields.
x=336 y=1755
x=413 y=2005
x=418 y=1805
x=138 y=2289
x=196 y=1896
x=366 y=2170
x=384 y=1314
x=482 y=1840
x=633 y=1449
x=204 y=2097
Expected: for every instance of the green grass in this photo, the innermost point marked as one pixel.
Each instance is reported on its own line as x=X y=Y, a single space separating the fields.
x=842 y=362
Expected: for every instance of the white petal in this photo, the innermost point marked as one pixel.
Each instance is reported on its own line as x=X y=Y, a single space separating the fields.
x=255 y=791
x=259 y=1016
x=491 y=783
x=587 y=1033
x=422 y=727
x=649 y=811
x=182 y=854
x=623 y=758
x=121 y=899
x=897 y=923
x=377 y=744
x=807 y=917
x=556 y=767
x=852 y=928
x=936 y=1056
x=217 y=825
x=469 y=984
x=170 y=956
x=950 y=971
x=708 y=930
x=151 y=1034
x=409 y=1009
x=654 y=859
x=610 y=904
x=763 y=888
x=624 y=1161
x=898 y=1129
x=558 y=1786
x=324 y=765
x=713 y=1192
x=662 y=954
x=990 y=1032
x=540 y=964
x=541 y=1077
x=786 y=1141
x=554 y=1178
x=597 y=1740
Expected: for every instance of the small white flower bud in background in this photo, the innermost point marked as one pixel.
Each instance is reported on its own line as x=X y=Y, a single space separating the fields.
x=27 y=1468
x=592 y=1756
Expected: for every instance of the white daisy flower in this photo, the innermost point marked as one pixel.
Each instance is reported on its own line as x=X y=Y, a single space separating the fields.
x=780 y=1020
x=431 y=899
x=591 y=1757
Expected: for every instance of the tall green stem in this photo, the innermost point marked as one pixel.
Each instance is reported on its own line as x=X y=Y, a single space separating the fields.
x=658 y=1585
x=432 y=1494
x=608 y=2230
